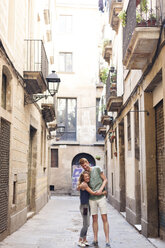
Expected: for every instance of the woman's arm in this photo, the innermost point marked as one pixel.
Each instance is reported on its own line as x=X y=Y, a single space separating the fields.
x=82 y=186
x=91 y=192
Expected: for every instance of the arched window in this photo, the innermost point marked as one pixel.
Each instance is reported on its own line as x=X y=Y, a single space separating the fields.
x=6 y=89
x=89 y=157
x=77 y=169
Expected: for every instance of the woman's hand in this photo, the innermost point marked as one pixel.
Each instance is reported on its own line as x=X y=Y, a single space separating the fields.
x=83 y=186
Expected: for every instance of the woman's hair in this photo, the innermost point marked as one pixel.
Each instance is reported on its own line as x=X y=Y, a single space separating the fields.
x=81 y=178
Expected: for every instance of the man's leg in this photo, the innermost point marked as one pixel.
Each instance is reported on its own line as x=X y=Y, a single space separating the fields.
x=95 y=227
x=106 y=226
x=94 y=213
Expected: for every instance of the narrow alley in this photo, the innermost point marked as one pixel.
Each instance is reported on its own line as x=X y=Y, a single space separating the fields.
x=58 y=224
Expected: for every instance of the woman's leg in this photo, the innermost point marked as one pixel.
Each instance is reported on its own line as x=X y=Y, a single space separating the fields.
x=86 y=220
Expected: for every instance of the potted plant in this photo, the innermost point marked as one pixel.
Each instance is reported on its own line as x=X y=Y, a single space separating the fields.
x=112 y=136
x=137 y=2
x=144 y=6
x=123 y=17
x=139 y=19
x=114 y=77
x=104 y=75
x=152 y=20
x=115 y=154
x=98 y=157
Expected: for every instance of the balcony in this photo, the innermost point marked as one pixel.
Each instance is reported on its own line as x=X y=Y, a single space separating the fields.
x=113 y=102
x=106 y=120
x=114 y=9
x=102 y=131
x=141 y=34
x=36 y=67
x=48 y=112
x=107 y=50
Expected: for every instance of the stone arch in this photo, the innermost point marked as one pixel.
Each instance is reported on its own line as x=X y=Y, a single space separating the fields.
x=7 y=72
x=89 y=157
x=76 y=168
x=8 y=77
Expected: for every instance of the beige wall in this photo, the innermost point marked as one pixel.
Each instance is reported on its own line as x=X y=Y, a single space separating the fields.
x=83 y=42
x=20 y=20
x=61 y=177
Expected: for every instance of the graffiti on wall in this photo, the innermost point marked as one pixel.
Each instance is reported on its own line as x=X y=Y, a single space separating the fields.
x=75 y=176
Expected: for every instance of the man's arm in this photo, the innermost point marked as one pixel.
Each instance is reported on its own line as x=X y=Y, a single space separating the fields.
x=91 y=192
x=103 y=177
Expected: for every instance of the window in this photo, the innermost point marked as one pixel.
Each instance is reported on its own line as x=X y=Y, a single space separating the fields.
x=43 y=147
x=51 y=187
x=54 y=158
x=99 y=137
x=65 y=62
x=14 y=192
x=67 y=116
x=129 y=131
x=4 y=91
x=65 y=23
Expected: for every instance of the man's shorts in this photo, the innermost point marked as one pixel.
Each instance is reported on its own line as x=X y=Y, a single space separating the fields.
x=98 y=204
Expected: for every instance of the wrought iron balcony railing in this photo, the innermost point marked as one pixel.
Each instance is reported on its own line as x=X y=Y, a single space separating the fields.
x=111 y=85
x=35 y=57
x=140 y=13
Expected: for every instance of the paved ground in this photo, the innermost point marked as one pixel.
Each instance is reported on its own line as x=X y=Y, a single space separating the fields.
x=58 y=225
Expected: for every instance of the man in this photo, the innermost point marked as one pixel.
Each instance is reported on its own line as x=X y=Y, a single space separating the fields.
x=97 y=183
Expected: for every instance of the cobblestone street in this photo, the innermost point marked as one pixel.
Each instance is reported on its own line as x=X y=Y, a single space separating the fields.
x=58 y=225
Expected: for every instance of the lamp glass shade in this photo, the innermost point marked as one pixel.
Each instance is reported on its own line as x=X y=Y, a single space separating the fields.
x=53 y=82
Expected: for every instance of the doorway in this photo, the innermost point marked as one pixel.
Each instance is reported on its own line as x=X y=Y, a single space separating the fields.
x=4 y=175
x=160 y=163
x=137 y=166
x=32 y=163
x=122 y=167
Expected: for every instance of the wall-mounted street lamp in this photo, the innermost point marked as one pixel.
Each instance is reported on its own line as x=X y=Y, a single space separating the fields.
x=53 y=82
x=60 y=130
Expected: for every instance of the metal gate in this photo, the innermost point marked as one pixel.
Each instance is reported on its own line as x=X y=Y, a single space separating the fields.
x=4 y=173
x=160 y=159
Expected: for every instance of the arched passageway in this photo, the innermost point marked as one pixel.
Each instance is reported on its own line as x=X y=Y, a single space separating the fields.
x=76 y=168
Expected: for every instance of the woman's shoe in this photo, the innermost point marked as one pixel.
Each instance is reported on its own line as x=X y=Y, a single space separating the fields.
x=86 y=243
x=81 y=244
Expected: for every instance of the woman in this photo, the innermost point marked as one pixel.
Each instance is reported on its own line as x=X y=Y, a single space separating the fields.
x=84 y=206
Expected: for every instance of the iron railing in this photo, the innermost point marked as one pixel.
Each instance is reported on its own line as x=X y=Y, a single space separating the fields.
x=139 y=14
x=35 y=57
x=111 y=86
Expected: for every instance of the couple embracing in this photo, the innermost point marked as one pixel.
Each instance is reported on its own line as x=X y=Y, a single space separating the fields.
x=91 y=184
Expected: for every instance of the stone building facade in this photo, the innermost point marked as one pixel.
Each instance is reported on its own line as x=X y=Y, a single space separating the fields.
x=134 y=126
x=78 y=30
x=24 y=148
